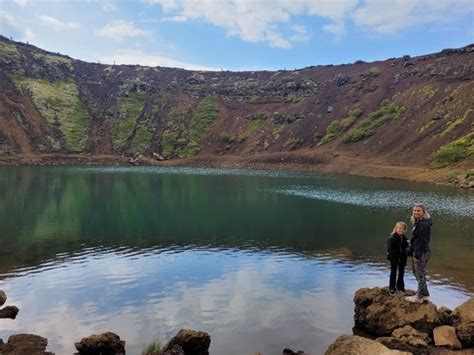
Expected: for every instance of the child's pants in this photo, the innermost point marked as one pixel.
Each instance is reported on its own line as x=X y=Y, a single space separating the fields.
x=400 y=284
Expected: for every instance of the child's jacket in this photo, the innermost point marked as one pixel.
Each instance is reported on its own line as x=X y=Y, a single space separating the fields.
x=397 y=248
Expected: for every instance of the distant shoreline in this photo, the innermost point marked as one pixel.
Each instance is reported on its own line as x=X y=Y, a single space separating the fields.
x=285 y=161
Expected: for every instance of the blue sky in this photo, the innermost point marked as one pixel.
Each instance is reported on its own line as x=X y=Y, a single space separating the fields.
x=239 y=34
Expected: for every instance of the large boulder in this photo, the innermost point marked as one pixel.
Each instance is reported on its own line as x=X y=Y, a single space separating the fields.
x=379 y=313
x=406 y=339
x=356 y=345
x=445 y=335
x=101 y=344
x=463 y=321
x=191 y=341
x=25 y=344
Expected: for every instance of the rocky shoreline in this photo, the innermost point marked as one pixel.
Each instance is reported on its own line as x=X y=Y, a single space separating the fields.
x=388 y=323
x=285 y=161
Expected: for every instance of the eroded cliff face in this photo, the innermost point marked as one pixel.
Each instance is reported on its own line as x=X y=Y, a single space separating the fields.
x=408 y=111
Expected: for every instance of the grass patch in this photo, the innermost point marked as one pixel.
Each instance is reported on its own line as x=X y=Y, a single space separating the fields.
x=53 y=59
x=153 y=348
x=453 y=124
x=453 y=152
x=205 y=114
x=254 y=126
x=337 y=128
x=387 y=111
x=141 y=139
x=9 y=51
x=59 y=103
x=129 y=109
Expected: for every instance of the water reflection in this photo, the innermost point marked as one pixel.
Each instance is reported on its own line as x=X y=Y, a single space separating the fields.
x=259 y=260
x=247 y=301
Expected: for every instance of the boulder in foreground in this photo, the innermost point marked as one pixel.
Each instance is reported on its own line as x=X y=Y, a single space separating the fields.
x=406 y=339
x=25 y=344
x=101 y=344
x=356 y=345
x=379 y=313
x=191 y=341
x=463 y=321
x=445 y=335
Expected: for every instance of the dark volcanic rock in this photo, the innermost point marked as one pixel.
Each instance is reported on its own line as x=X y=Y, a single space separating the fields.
x=379 y=313
x=102 y=344
x=445 y=315
x=288 y=351
x=25 y=344
x=9 y=312
x=191 y=341
x=3 y=298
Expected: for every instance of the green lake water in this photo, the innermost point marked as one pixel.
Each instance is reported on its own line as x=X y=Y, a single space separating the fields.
x=259 y=260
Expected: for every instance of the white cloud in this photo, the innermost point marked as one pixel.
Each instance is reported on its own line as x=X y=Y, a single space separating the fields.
x=108 y=7
x=21 y=3
x=58 y=25
x=337 y=29
x=11 y=27
x=120 y=29
x=396 y=15
x=133 y=56
x=269 y=21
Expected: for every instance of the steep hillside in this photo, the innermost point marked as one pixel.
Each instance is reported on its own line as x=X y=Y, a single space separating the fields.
x=409 y=112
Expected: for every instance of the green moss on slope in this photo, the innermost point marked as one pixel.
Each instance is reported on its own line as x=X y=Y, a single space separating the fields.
x=205 y=114
x=129 y=109
x=336 y=128
x=59 y=103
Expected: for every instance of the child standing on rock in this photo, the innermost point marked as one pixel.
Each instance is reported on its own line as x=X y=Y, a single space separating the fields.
x=397 y=254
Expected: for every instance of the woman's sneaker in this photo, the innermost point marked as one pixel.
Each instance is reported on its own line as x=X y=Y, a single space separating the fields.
x=402 y=291
x=414 y=299
x=426 y=298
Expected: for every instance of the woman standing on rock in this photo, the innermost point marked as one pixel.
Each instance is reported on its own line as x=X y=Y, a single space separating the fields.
x=420 y=249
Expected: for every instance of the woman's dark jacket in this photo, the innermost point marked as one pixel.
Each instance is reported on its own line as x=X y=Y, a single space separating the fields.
x=420 y=240
x=397 y=248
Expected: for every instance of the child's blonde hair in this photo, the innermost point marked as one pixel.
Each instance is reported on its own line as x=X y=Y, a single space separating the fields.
x=399 y=224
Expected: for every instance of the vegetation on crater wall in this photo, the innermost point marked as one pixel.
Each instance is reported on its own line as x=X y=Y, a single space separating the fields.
x=59 y=103
x=338 y=127
x=451 y=125
x=182 y=139
x=453 y=152
x=129 y=110
x=387 y=111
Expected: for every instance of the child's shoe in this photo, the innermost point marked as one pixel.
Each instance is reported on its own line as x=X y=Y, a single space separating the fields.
x=414 y=299
x=392 y=292
x=426 y=298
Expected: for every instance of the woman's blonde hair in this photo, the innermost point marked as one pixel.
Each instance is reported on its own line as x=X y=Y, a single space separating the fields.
x=399 y=224
x=426 y=215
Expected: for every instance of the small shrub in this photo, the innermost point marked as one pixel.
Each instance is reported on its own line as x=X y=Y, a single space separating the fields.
x=153 y=348
x=293 y=143
x=453 y=152
x=256 y=124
